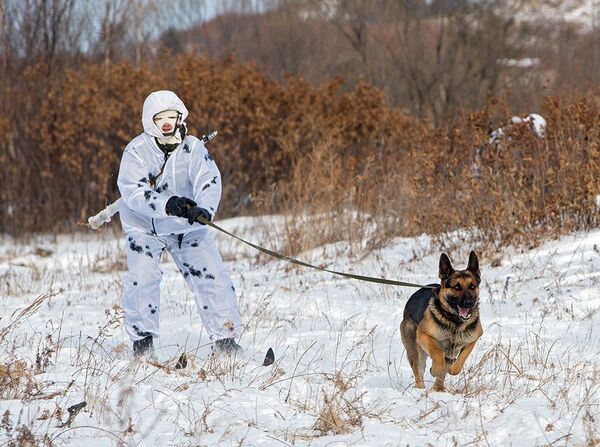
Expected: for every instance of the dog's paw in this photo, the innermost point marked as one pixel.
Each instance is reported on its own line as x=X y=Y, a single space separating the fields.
x=455 y=369
x=438 y=386
x=420 y=385
x=437 y=371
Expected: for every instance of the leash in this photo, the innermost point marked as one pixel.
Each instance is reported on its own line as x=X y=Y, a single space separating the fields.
x=105 y=215
x=274 y=254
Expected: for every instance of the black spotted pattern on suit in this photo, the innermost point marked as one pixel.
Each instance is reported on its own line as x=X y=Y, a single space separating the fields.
x=149 y=254
x=133 y=246
x=191 y=271
x=147 y=195
x=214 y=180
x=208 y=157
x=194 y=272
x=205 y=187
x=186 y=148
x=162 y=188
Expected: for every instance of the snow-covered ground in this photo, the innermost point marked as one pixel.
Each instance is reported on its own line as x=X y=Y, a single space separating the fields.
x=341 y=376
x=584 y=13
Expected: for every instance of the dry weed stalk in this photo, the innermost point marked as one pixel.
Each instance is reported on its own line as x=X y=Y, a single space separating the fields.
x=339 y=415
x=23 y=314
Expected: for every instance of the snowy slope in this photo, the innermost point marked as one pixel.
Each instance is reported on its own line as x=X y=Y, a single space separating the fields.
x=341 y=376
x=583 y=13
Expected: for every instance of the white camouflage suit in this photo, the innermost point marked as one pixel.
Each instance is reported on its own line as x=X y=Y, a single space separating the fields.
x=188 y=171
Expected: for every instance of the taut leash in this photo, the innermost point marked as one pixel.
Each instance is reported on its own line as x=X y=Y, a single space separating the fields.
x=105 y=215
x=390 y=282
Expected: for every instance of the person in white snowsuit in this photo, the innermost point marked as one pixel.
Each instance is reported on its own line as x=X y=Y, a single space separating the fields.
x=167 y=179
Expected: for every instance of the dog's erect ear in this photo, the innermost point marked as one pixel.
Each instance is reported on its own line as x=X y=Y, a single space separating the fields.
x=445 y=267
x=473 y=266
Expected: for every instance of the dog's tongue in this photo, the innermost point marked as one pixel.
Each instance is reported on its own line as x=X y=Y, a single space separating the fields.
x=463 y=312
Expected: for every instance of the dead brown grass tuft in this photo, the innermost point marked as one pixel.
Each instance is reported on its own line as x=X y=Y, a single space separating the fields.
x=338 y=414
x=17 y=380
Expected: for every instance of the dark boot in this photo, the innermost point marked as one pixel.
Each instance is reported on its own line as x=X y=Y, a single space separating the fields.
x=143 y=347
x=227 y=346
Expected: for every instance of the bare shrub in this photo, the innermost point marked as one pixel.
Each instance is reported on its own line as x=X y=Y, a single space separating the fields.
x=341 y=166
x=17 y=380
x=338 y=414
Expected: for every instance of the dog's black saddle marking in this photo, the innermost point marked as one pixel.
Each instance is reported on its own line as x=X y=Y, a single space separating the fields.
x=418 y=302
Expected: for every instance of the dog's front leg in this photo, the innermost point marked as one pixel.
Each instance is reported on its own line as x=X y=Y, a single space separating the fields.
x=460 y=361
x=438 y=359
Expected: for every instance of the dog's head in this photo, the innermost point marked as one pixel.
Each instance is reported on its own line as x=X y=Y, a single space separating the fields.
x=459 y=292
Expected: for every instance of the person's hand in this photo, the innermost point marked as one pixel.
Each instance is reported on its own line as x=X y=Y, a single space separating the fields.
x=195 y=212
x=179 y=206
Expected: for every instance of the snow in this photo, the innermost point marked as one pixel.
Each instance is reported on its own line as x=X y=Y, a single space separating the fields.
x=537 y=123
x=526 y=62
x=583 y=13
x=533 y=378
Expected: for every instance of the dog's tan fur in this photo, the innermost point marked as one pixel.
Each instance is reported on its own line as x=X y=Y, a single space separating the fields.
x=442 y=333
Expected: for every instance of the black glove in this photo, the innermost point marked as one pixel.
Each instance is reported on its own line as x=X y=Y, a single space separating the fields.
x=179 y=206
x=196 y=211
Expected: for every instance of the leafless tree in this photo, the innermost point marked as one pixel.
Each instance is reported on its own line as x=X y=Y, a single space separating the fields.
x=432 y=57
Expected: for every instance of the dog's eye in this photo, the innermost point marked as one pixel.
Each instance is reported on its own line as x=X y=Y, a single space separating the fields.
x=472 y=287
x=457 y=287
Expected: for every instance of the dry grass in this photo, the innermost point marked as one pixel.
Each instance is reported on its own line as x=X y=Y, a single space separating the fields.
x=340 y=166
x=339 y=415
x=19 y=317
x=17 y=380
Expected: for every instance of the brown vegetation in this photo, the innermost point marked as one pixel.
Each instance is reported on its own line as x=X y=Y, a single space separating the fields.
x=301 y=151
x=388 y=150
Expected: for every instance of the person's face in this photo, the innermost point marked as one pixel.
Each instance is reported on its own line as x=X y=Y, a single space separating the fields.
x=166 y=121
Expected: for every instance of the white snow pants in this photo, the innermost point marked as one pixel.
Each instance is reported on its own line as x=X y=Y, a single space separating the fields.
x=198 y=259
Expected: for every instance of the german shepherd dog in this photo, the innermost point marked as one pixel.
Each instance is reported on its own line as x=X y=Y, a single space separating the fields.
x=443 y=322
